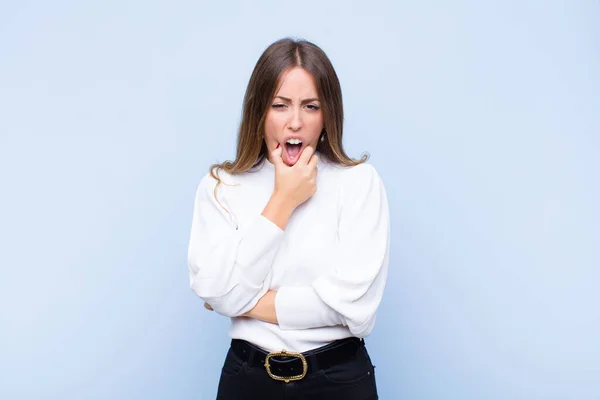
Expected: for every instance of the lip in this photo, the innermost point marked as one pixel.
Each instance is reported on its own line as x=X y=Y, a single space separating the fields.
x=293 y=137
x=302 y=146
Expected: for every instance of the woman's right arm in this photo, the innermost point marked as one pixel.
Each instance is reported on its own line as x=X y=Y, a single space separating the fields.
x=227 y=266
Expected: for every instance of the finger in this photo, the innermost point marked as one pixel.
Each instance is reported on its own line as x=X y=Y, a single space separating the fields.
x=276 y=155
x=314 y=161
x=306 y=155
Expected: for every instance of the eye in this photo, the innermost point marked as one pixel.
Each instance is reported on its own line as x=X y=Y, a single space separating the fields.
x=279 y=106
x=313 y=107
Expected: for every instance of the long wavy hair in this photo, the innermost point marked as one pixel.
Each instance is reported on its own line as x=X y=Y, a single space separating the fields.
x=279 y=57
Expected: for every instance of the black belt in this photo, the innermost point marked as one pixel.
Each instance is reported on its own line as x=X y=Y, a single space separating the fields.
x=289 y=366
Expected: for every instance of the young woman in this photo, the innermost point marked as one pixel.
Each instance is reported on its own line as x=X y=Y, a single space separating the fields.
x=291 y=239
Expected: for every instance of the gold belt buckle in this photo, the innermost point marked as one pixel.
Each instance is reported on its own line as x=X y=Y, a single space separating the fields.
x=285 y=353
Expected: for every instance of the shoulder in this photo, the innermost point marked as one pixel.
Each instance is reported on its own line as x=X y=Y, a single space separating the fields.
x=363 y=174
x=363 y=171
x=361 y=189
x=208 y=183
x=354 y=183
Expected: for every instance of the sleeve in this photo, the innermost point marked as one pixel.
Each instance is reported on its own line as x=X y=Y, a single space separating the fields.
x=351 y=289
x=227 y=266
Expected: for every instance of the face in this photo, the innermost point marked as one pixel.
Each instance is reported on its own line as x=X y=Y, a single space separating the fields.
x=295 y=118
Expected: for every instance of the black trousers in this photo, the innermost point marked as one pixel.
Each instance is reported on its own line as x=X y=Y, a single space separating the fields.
x=351 y=380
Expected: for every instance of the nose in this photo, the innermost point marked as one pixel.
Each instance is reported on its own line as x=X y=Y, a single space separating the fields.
x=295 y=122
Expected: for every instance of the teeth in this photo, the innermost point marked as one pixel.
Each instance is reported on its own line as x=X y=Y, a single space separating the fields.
x=294 y=141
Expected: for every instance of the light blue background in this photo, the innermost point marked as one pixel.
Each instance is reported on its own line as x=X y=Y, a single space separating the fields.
x=481 y=117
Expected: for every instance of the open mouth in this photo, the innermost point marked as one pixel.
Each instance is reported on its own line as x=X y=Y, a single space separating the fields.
x=293 y=148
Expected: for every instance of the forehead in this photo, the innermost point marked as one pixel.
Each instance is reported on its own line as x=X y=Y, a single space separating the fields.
x=297 y=82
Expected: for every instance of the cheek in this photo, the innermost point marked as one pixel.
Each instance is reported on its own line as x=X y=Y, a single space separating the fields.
x=316 y=127
x=273 y=125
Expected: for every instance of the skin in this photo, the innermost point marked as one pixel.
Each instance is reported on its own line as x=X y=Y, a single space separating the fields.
x=295 y=112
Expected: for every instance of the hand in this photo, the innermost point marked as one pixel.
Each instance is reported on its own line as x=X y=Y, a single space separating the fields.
x=264 y=310
x=297 y=183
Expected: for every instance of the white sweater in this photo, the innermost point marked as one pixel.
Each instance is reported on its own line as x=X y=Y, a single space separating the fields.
x=329 y=266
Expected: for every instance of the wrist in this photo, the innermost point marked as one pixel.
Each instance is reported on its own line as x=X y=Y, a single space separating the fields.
x=278 y=210
x=282 y=201
x=264 y=310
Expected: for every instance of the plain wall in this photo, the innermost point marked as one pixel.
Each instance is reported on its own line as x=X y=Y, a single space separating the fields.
x=481 y=117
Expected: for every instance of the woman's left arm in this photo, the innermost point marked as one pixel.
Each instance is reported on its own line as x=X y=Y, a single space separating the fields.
x=351 y=289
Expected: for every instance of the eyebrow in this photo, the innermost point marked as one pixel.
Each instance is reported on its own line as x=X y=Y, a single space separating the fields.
x=303 y=101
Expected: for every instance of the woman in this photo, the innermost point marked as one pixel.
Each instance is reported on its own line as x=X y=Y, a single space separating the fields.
x=299 y=271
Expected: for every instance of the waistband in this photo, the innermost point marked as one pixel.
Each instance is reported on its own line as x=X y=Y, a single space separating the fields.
x=296 y=365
